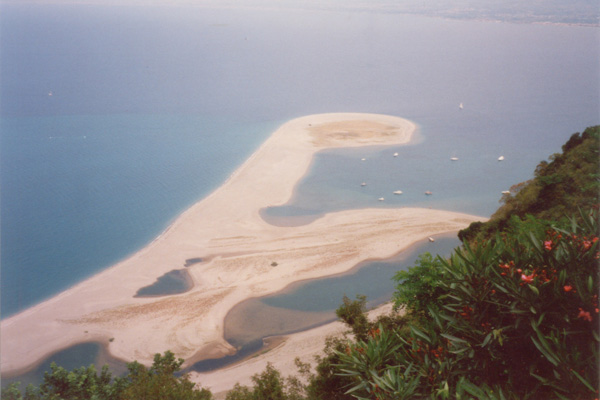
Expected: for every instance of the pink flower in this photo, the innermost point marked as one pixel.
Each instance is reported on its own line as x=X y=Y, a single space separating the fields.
x=527 y=279
x=568 y=288
x=548 y=244
x=585 y=315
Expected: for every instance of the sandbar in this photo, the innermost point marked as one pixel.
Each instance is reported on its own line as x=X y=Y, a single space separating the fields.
x=237 y=248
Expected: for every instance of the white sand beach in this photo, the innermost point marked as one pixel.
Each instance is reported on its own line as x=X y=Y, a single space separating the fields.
x=238 y=248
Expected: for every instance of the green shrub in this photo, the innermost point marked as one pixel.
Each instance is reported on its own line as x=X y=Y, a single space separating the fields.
x=516 y=317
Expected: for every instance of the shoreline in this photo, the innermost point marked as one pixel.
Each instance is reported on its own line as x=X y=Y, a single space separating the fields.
x=226 y=227
x=304 y=345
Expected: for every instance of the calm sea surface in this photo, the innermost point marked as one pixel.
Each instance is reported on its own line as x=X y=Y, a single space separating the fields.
x=114 y=120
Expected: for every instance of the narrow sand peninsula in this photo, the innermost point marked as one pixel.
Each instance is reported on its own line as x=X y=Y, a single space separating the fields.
x=226 y=230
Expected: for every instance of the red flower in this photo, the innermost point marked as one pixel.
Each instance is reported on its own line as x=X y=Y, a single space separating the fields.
x=527 y=279
x=585 y=315
x=568 y=288
x=548 y=244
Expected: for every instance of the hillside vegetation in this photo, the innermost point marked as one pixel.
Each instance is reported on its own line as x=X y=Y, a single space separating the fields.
x=560 y=188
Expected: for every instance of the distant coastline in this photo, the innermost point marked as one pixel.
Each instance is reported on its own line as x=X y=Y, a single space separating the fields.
x=237 y=248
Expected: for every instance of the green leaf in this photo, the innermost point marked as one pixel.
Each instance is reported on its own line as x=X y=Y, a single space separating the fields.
x=498 y=335
x=545 y=350
x=459 y=351
x=562 y=277
x=536 y=243
x=590 y=284
x=534 y=290
x=487 y=339
x=560 y=396
x=540 y=319
x=449 y=308
x=586 y=383
x=420 y=334
x=532 y=310
x=453 y=338
x=474 y=390
x=500 y=287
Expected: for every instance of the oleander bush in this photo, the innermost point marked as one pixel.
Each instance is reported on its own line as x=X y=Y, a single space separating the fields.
x=514 y=317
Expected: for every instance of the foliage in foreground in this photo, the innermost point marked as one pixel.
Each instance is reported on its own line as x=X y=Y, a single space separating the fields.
x=513 y=318
x=156 y=383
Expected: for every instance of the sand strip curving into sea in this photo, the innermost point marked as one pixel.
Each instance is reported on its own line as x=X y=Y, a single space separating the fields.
x=238 y=249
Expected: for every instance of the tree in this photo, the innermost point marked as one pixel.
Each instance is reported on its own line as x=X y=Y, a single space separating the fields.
x=419 y=287
x=352 y=312
x=85 y=383
x=268 y=385
x=160 y=383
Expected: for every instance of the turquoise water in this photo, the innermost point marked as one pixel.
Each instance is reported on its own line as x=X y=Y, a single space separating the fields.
x=79 y=193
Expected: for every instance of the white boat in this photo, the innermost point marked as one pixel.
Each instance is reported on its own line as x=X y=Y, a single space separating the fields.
x=362 y=159
x=506 y=192
x=501 y=158
x=395 y=154
x=363 y=184
x=428 y=193
x=454 y=158
x=460 y=106
x=398 y=192
x=431 y=239
x=381 y=199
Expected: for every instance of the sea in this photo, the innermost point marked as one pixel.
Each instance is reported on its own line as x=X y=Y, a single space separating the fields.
x=116 y=119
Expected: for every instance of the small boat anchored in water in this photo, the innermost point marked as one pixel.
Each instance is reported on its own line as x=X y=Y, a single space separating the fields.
x=428 y=193
x=398 y=192
x=501 y=158
x=431 y=239
x=453 y=158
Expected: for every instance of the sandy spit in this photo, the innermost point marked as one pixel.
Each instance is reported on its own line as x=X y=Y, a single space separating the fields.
x=239 y=247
